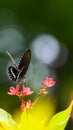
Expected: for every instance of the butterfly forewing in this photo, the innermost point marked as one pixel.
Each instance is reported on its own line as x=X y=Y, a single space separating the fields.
x=24 y=63
x=13 y=73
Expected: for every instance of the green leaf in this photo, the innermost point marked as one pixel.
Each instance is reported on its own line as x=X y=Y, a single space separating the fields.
x=6 y=121
x=60 y=120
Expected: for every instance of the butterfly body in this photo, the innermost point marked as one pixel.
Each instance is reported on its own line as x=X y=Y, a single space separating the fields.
x=18 y=71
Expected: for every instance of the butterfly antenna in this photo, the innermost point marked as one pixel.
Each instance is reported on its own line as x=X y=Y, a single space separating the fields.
x=15 y=64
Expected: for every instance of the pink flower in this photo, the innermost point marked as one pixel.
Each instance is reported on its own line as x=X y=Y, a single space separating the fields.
x=14 y=91
x=49 y=82
x=25 y=91
x=26 y=105
x=23 y=104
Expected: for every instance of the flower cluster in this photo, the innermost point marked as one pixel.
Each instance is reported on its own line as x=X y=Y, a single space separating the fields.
x=49 y=82
x=25 y=105
x=21 y=94
x=15 y=91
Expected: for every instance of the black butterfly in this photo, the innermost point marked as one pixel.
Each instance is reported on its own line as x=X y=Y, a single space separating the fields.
x=19 y=71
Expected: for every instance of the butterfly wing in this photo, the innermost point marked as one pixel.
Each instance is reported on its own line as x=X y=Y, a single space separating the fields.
x=13 y=73
x=24 y=63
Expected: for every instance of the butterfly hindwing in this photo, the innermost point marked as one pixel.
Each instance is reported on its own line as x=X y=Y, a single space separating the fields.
x=13 y=73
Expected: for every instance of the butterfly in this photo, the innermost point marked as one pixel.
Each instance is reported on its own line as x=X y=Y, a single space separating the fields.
x=19 y=70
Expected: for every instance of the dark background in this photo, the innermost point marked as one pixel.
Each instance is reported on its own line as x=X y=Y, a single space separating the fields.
x=24 y=20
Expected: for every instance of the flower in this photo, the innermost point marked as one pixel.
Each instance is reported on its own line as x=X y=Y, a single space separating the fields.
x=23 y=104
x=26 y=105
x=14 y=91
x=25 y=91
x=49 y=82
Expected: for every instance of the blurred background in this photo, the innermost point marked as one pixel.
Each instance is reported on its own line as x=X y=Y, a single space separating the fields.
x=46 y=27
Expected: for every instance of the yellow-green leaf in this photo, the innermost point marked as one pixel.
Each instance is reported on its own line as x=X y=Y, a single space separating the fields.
x=60 y=120
x=6 y=121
